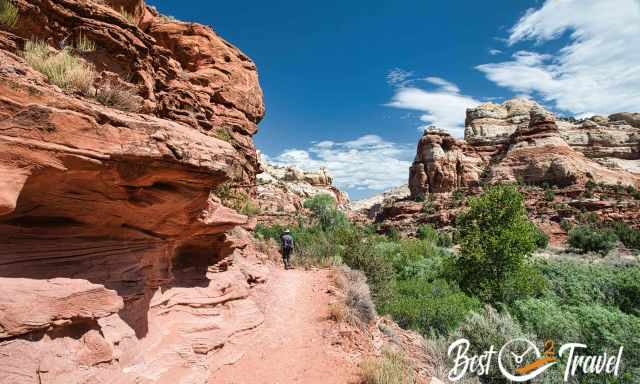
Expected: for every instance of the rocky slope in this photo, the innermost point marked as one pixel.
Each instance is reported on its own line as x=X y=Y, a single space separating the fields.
x=519 y=141
x=282 y=190
x=117 y=261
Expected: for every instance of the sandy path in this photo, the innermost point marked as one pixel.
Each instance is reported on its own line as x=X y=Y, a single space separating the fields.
x=291 y=345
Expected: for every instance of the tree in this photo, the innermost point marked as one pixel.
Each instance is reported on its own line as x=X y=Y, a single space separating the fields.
x=324 y=209
x=496 y=239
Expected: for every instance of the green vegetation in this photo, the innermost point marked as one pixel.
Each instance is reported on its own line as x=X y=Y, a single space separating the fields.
x=586 y=238
x=62 y=68
x=629 y=236
x=8 y=13
x=549 y=195
x=489 y=292
x=496 y=240
x=237 y=199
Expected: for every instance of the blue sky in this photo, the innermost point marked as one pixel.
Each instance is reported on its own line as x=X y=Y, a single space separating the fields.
x=350 y=84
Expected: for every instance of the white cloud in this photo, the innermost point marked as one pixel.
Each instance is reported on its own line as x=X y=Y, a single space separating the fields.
x=368 y=162
x=494 y=52
x=398 y=77
x=445 y=107
x=598 y=70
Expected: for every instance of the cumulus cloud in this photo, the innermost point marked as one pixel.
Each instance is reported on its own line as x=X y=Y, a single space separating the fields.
x=368 y=162
x=443 y=105
x=597 y=71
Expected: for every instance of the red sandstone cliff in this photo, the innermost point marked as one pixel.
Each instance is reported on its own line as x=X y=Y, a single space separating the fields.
x=118 y=262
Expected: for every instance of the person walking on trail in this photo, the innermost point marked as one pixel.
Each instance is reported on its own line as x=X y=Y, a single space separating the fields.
x=287 y=247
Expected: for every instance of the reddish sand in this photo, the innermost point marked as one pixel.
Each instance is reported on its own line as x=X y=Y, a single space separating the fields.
x=291 y=346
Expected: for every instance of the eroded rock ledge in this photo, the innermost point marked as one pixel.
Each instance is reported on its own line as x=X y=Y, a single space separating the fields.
x=117 y=261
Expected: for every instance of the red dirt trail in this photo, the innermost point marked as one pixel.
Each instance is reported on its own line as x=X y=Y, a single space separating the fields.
x=292 y=345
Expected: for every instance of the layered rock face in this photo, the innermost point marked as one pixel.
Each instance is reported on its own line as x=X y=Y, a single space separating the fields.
x=442 y=164
x=117 y=262
x=282 y=190
x=184 y=71
x=520 y=140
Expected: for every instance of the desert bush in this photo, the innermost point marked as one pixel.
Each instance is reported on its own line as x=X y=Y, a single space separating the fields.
x=118 y=97
x=61 y=68
x=427 y=232
x=547 y=319
x=566 y=225
x=590 y=239
x=496 y=239
x=222 y=134
x=549 y=195
x=428 y=207
x=391 y=368
x=8 y=13
x=324 y=211
x=427 y=307
x=249 y=208
x=359 y=307
x=629 y=236
x=541 y=239
x=575 y=283
x=436 y=348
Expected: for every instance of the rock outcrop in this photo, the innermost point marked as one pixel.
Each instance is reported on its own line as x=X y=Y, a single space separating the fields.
x=118 y=262
x=520 y=140
x=282 y=190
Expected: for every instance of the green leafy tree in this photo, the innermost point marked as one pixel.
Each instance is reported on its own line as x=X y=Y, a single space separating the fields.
x=324 y=209
x=496 y=239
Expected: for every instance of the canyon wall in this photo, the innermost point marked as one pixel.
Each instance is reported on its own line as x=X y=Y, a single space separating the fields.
x=118 y=262
x=520 y=140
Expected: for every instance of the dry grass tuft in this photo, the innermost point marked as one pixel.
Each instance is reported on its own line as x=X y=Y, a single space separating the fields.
x=84 y=44
x=117 y=96
x=391 y=368
x=128 y=16
x=356 y=308
x=8 y=13
x=62 y=68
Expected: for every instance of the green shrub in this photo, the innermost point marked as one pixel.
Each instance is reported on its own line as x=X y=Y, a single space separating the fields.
x=324 y=211
x=547 y=319
x=496 y=239
x=549 y=195
x=589 y=239
x=429 y=307
x=62 y=68
x=575 y=283
x=458 y=197
x=393 y=234
x=566 y=225
x=428 y=233
x=428 y=208
x=8 y=13
x=629 y=236
x=541 y=238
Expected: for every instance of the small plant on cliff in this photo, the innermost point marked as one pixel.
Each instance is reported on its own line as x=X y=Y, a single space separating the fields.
x=84 y=44
x=428 y=208
x=496 y=240
x=127 y=16
x=549 y=195
x=222 y=134
x=62 y=68
x=117 y=96
x=8 y=13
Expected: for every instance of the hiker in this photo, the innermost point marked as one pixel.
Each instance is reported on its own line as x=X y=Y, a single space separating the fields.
x=287 y=247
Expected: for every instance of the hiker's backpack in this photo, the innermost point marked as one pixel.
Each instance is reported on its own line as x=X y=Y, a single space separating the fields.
x=287 y=242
